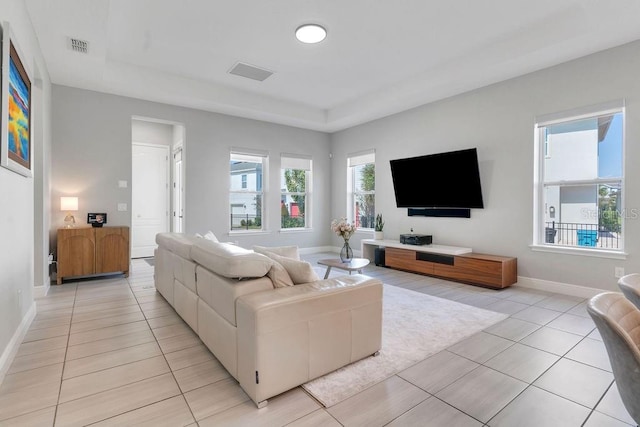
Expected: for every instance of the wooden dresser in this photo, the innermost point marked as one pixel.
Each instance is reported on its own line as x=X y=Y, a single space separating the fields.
x=91 y=251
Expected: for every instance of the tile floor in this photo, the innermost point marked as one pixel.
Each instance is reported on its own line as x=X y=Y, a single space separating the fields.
x=113 y=352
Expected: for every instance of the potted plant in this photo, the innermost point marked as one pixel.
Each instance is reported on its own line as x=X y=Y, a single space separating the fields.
x=378 y=227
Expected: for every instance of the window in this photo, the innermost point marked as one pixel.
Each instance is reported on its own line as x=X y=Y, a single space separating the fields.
x=295 y=187
x=580 y=179
x=246 y=194
x=361 y=182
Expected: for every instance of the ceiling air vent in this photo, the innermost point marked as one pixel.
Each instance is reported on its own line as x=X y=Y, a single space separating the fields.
x=250 y=71
x=77 y=45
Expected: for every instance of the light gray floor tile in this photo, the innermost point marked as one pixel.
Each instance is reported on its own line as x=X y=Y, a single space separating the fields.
x=106 y=404
x=522 y=362
x=482 y=393
x=506 y=306
x=580 y=310
x=590 y=352
x=596 y=419
x=527 y=296
x=559 y=302
x=281 y=410
x=536 y=408
x=434 y=413
x=479 y=300
x=595 y=334
x=611 y=405
x=318 y=418
x=480 y=347
x=378 y=404
x=438 y=371
x=170 y=412
x=575 y=381
x=512 y=329
x=200 y=375
x=574 y=324
x=215 y=398
x=42 y=417
x=552 y=340
x=538 y=315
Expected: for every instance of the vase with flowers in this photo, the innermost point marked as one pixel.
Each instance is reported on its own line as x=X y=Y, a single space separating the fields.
x=344 y=229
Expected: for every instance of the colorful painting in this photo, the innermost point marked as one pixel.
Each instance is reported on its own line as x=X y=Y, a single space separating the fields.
x=19 y=100
x=16 y=108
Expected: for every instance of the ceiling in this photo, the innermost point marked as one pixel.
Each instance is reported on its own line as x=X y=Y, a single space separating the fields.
x=379 y=58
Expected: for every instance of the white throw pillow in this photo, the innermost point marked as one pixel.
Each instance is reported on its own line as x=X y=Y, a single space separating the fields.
x=210 y=236
x=299 y=271
x=285 y=251
x=279 y=276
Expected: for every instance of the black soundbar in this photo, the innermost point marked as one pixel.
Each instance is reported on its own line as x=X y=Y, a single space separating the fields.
x=441 y=212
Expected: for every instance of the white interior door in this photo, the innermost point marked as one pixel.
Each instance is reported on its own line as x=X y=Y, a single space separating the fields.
x=150 y=197
x=178 y=189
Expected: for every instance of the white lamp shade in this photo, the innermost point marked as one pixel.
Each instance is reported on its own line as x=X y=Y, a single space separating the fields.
x=68 y=203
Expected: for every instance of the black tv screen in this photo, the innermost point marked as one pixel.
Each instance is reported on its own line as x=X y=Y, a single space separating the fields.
x=442 y=180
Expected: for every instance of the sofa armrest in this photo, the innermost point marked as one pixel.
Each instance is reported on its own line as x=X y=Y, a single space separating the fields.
x=288 y=336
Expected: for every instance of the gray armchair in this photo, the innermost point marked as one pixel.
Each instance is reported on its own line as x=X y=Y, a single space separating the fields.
x=630 y=286
x=618 y=321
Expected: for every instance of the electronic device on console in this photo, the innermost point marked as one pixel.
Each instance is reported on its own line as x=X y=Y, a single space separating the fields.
x=416 y=239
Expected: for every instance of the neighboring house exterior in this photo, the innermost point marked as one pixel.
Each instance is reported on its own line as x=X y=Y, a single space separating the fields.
x=572 y=154
x=246 y=181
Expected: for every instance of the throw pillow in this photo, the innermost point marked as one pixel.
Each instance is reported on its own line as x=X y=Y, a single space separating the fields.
x=279 y=276
x=285 y=251
x=299 y=271
x=210 y=236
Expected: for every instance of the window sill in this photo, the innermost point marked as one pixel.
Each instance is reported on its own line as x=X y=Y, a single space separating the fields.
x=598 y=253
x=248 y=232
x=295 y=230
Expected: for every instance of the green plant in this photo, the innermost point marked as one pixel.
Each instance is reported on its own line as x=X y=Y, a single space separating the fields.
x=379 y=226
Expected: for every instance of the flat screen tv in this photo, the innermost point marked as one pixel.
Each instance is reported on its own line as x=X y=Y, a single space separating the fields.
x=443 y=180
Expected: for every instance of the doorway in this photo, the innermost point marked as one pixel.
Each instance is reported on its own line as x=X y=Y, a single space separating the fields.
x=150 y=197
x=178 y=192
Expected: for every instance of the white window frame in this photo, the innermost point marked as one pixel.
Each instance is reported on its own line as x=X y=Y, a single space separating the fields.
x=298 y=162
x=360 y=158
x=542 y=151
x=250 y=155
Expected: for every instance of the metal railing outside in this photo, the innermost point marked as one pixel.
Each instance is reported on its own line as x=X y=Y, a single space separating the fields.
x=581 y=235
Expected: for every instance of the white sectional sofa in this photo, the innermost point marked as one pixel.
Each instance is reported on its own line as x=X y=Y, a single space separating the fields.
x=269 y=338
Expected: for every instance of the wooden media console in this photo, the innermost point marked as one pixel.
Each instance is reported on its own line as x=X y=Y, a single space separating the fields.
x=448 y=262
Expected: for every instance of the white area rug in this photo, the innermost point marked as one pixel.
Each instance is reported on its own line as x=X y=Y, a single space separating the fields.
x=414 y=326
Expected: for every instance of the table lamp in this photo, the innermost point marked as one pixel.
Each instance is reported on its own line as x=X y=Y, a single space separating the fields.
x=69 y=204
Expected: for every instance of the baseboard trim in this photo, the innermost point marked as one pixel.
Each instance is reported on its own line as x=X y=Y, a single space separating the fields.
x=317 y=249
x=557 y=287
x=11 y=349
x=41 y=291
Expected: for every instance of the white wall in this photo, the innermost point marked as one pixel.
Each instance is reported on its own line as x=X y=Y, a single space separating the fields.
x=92 y=151
x=150 y=132
x=499 y=121
x=24 y=235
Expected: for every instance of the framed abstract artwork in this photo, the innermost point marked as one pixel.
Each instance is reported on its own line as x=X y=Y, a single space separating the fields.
x=16 y=141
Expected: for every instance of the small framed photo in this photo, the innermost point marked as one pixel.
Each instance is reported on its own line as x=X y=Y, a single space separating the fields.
x=96 y=219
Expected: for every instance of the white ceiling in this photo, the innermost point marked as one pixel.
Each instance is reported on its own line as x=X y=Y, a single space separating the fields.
x=379 y=58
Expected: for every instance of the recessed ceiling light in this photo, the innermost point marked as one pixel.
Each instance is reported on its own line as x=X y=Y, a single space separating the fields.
x=311 y=33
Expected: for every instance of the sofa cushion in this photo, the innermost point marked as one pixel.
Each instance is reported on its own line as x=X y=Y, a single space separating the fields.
x=286 y=251
x=299 y=271
x=178 y=243
x=229 y=260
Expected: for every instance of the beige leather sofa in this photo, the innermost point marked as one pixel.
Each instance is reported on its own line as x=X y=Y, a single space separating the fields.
x=269 y=339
